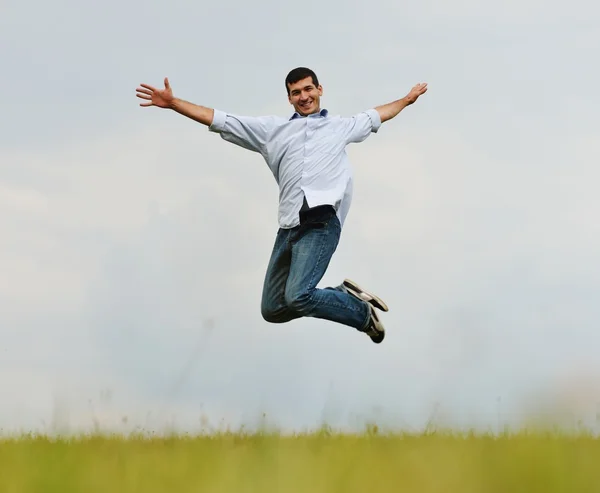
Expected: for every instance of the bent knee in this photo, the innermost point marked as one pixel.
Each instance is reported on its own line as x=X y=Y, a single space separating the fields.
x=299 y=303
x=274 y=316
x=269 y=316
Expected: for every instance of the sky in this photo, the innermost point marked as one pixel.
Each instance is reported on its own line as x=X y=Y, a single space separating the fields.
x=133 y=242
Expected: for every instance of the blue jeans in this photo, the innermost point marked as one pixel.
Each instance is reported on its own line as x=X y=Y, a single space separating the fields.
x=298 y=262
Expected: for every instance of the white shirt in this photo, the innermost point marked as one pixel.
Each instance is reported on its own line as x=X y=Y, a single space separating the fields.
x=307 y=155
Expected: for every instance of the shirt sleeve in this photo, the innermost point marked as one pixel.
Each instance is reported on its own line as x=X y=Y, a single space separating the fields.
x=249 y=132
x=360 y=126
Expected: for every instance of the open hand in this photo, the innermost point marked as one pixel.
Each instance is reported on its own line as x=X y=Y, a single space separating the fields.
x=161 y=98
x=415 y=92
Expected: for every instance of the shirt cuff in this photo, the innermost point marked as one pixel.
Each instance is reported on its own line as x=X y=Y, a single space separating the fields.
x=218 y=123
x=375 y=119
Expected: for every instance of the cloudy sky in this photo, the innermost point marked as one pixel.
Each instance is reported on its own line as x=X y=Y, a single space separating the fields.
x=133 y=242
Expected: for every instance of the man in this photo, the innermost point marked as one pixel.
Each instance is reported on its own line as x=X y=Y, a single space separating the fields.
x=306 y=154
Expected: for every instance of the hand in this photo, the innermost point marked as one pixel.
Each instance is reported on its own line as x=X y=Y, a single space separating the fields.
x=415 y=92
x=161 y=98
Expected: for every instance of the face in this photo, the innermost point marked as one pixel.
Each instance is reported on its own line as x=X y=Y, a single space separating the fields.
x=305 y=97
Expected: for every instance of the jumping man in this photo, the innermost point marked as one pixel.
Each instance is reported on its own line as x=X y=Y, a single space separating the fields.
x=307 y=156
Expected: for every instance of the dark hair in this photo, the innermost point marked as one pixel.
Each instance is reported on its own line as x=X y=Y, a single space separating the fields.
x=300 y=73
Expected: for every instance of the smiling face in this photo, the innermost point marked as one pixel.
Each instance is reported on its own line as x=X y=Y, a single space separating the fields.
x=305 y=96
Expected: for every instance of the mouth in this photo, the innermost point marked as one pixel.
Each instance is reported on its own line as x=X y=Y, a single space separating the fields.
x=306 y=105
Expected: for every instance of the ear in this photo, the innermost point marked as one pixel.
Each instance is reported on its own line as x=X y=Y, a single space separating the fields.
x=320 y=88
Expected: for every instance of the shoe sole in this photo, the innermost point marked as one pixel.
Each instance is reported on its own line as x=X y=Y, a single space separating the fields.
x=379 y=338
x=373 y=300
x=376 y=335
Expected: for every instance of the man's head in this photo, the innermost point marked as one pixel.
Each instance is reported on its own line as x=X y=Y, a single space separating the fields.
x=304 y=91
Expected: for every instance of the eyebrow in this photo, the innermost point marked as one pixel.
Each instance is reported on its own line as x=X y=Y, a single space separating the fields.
x=305 y=87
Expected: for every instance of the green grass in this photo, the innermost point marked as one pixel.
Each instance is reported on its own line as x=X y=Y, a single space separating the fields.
x=313 y=463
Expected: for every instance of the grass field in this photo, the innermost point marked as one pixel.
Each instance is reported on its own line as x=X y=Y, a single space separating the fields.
x=312 y=463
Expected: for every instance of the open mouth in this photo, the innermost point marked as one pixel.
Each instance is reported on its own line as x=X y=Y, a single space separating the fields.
x=306 y=105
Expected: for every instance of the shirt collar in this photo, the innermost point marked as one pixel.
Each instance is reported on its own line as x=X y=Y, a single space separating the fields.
x=323 y=113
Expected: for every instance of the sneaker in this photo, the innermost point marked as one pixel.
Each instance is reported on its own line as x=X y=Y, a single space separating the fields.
x=354 y=289
x=375 y=329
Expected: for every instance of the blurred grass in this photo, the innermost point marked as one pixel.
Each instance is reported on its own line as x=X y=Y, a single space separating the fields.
x=526 y=462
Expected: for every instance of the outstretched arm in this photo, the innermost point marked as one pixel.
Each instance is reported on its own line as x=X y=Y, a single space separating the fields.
x=360 y=126
x=245 y=131
x=390 y=110
x=163 y=98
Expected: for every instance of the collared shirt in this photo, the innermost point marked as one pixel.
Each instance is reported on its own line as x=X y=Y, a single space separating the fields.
x=307 y=155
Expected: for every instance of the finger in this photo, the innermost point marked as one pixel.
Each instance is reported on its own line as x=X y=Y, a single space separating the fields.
x=144 y=96
x=146 y=86
x=144 y=91
x=167 y=85
x=145 y=104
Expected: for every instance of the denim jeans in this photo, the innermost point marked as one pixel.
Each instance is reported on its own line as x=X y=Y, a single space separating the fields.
x=298 y=262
